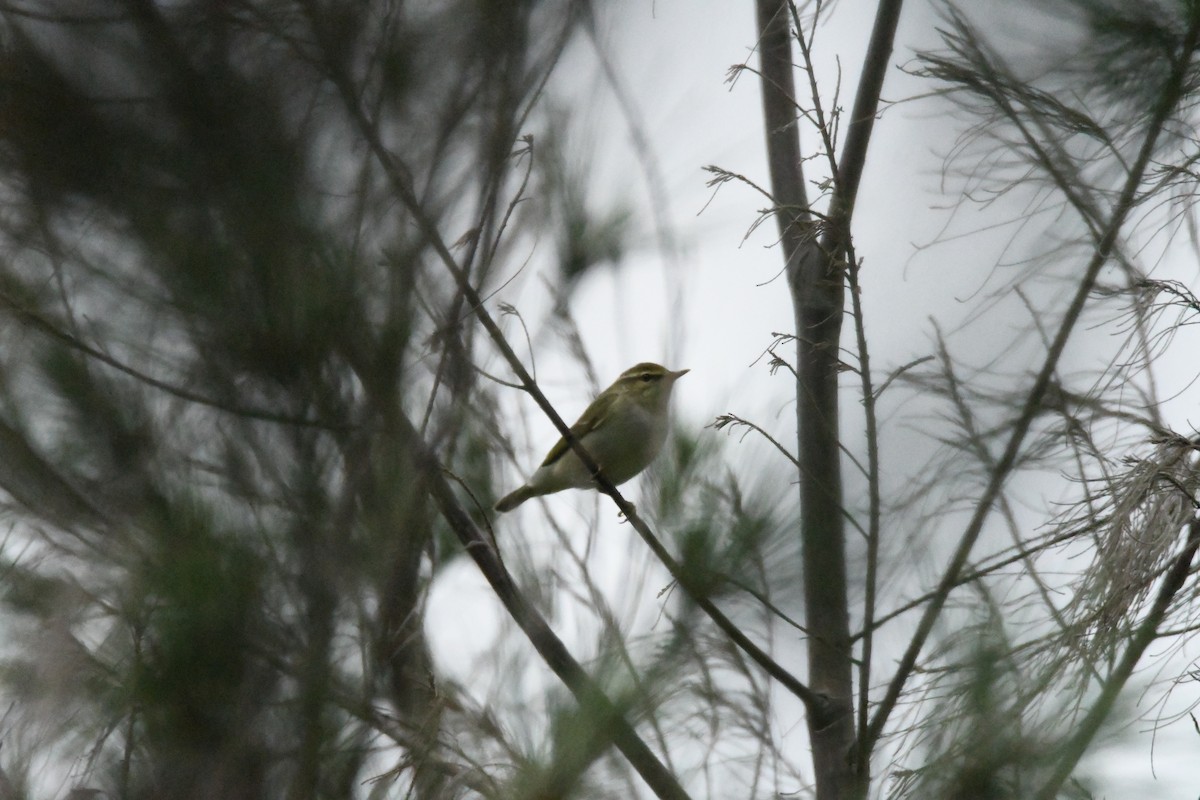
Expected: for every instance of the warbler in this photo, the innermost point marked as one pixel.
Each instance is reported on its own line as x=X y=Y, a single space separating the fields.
x=623 y=430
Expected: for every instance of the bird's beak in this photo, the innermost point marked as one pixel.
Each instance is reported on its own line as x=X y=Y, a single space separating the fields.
x=679 y=374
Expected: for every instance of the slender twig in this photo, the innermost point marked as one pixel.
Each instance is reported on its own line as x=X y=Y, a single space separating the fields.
x=1021 y=554
x=874 y=506
x=724 y=420
x=866 y=104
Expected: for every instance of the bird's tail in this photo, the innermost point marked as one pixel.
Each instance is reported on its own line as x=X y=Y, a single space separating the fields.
x=511 y=501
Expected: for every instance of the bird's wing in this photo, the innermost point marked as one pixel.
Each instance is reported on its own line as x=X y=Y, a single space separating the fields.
x=591 y=419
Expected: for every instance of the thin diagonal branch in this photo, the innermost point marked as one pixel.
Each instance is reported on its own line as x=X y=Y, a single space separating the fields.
x=549 y=646
x=866 y=105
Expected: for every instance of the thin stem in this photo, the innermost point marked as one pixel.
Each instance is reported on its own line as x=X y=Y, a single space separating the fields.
x=874 y=505
x=866 y=105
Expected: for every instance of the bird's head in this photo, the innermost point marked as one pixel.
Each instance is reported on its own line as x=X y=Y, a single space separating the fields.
x=650 y=383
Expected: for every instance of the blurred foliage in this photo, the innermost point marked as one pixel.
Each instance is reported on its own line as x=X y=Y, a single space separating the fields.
x=217 y=300
x=587 y=236
x=982 y=746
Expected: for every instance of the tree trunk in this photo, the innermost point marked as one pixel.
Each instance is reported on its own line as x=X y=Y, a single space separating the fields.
x=816 y=284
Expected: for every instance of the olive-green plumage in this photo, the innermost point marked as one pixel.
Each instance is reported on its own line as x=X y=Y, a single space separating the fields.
x=623 y=430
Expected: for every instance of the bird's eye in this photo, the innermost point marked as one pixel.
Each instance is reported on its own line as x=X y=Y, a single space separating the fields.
x=647 y=377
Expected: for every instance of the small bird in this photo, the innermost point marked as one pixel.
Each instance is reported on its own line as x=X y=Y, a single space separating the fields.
x=623 y=430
